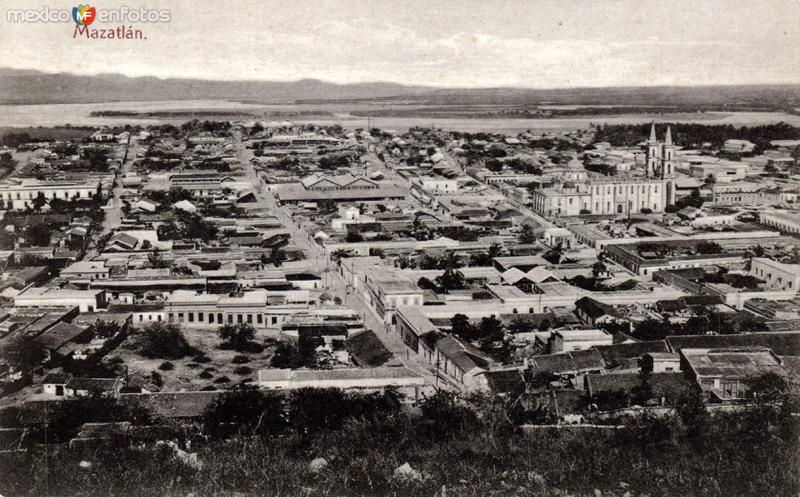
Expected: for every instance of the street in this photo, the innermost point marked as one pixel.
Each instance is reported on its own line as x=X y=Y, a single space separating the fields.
x=336 y=284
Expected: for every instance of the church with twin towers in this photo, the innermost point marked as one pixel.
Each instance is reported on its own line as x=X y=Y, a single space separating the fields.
x=625 y=194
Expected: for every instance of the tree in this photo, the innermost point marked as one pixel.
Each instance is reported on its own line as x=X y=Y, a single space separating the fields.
x=168 y=231
x=196 y=227
x=340 y=254
x=276 y=257
x=461 y=327
x=754 y=251
x=38 y=235
x=156 y=261
x=39 y=201
x=486 y=258
x=104 y=329
x=164 y=341
x=238 y=336
x=526 y=235
x=555 y=254
x=767 y=387
x=247 y=410
x=652 y=329
x=291 y=356
x=599 y=268
x=708 y=248
x=490 y=331
x=23 y=353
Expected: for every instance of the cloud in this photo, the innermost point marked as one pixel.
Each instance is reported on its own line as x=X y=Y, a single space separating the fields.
x=360 y=49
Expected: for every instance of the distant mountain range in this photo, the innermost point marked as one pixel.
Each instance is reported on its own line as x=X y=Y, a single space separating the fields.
x=22 y=86
x=32 y=87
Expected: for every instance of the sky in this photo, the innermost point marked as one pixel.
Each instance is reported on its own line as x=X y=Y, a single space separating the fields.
x=443 y=43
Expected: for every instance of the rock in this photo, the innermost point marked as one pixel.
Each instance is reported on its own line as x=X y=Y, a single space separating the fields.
x=537 y=479
x=85 y=465
x=318 y=465
x=598 y=493
x=626 y=494
x=406 y=472
x=189 y=459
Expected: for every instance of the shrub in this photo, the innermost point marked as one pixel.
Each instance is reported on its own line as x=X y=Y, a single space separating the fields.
x=192 y=365
x=238 y=336
x=116 y=360
x=205 y=375
x=164 y=341
x=166 y=366
x=243 y=370
x=201 y=359
x=240 y=359
x=222 y=379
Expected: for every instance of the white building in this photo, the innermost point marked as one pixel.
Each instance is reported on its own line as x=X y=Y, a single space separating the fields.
x=85 y=300
x=572 y=340
x=777 y=274
x=19 y=195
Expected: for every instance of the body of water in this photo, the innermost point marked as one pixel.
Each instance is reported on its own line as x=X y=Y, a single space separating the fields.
x=80 y=115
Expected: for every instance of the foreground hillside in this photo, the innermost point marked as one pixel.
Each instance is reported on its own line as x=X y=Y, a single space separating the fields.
x=470 y=449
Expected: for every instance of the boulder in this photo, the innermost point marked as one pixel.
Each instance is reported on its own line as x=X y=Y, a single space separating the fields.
x=318 y=465
x=406 y=472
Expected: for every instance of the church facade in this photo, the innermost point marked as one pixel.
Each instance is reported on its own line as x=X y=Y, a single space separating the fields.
x=626 y=195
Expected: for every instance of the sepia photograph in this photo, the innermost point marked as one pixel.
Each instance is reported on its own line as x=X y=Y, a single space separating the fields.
x=374 y=248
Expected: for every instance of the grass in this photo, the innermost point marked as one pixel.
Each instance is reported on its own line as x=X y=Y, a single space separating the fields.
x=751 y=454
x=184 y=372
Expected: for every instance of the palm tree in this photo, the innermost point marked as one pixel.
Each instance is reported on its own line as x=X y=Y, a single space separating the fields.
x=495 y=250
x=404 y=261
x=599 y=268
x=277 y=256
x=338 y=255
x=755 y=251
x=155 y=260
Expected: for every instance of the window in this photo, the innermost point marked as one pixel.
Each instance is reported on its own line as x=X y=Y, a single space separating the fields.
x=210 y=318
x=239 y=319
x=191 y=317
x=259 y=319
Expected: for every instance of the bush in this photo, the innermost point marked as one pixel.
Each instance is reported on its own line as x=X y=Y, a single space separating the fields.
x=237 y=337
x=240 y=359
x=192 y=365
x=201 y=359
x=243 y=370
x=164 y=341
x=222 y=379
x=646 y=210
x=166 y=366
x=205 y=375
